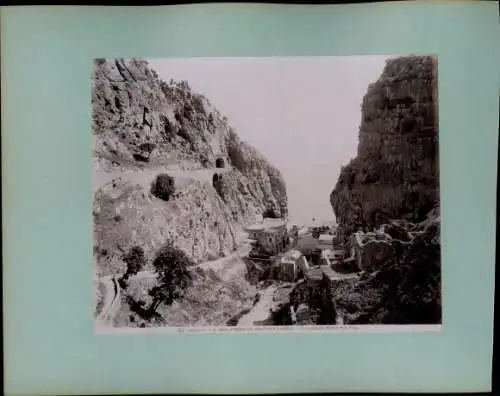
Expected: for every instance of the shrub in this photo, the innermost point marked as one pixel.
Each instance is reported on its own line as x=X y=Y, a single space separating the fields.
x=147 y=147
x=144 y=153
x=270 y=213
x=171 y=265
x=140 y=157
x=135 y=260
x=183 y=133
x=197 y=104
x=163 y=187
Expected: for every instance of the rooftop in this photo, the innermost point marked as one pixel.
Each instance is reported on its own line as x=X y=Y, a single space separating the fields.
x=315 y=273
x=271 y=230
x=326 y=238
x=363 y=237
x=255 y=227
x=328 y=272
x=293 y=254
x=332 y=252
x=287 y=261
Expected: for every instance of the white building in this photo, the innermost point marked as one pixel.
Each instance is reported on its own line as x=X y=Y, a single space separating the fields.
x=303 y=231
x=332 y=255
x=302 y=264
x=293 y=262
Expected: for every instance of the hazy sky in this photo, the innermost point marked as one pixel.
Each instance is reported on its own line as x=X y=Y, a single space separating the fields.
x=302 y=113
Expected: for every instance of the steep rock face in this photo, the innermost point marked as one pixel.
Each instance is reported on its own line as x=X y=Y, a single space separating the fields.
x=395 y=172
x=143 y=125
x=126 y=215
x=258 y=171
x=140 y=121
x=208 y=302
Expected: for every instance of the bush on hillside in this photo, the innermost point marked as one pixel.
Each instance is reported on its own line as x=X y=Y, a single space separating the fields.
x=147 y=147
x=135 y=260
x=163 y=187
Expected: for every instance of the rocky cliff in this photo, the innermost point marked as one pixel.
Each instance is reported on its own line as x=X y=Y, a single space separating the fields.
x=386 y=201
x=395 y=172
x=143 y=126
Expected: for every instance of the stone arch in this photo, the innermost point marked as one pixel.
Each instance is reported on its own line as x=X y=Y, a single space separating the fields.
x=219 y=162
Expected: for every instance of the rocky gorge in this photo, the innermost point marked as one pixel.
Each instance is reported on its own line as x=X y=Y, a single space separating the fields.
x=143 y=127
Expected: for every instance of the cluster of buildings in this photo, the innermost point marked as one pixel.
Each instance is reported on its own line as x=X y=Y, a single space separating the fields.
x=273 y=236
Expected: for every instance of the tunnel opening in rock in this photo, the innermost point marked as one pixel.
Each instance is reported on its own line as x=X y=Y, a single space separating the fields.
x=215 y=179
x=219 y=163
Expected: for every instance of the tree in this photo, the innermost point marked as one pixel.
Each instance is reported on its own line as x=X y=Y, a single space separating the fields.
x=163 y=187
x=135 y=260
x=171 y=265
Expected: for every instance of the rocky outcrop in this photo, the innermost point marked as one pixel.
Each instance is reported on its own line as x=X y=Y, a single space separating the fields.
x=244 y=197
x=258 y=171
x=406 y=289
x=372 y=250
x=207 y=302
x=141 y=126
x=196 y=219
x=386 y=202
x=139 y=120
x=395 y=172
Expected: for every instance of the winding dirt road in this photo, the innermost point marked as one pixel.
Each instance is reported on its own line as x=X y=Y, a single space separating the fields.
x=260 y=311
x=111 y=301
x=145 y=177
x=112 y=297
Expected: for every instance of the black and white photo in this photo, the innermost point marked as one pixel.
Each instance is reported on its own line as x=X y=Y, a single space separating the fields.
x=258 y=193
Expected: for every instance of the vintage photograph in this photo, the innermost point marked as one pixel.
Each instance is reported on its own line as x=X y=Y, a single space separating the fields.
x=273 y=192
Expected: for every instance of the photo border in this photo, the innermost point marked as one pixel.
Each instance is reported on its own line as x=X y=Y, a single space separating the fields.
x=50 y=346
